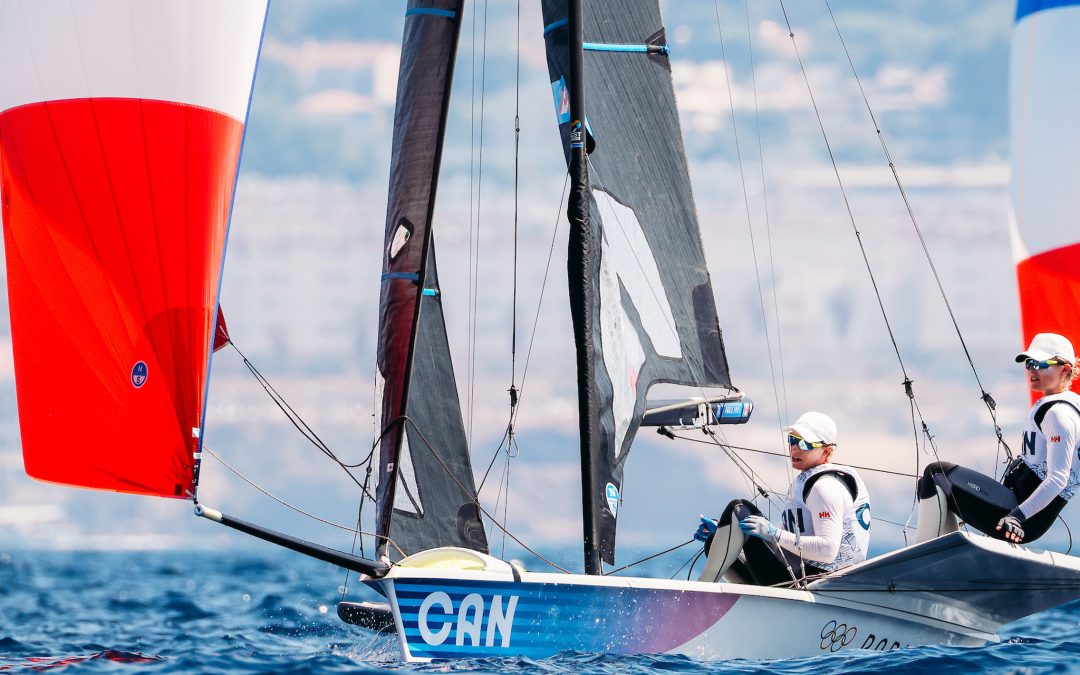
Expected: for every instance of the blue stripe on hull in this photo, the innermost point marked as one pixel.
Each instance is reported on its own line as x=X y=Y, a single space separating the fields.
x=477 y=618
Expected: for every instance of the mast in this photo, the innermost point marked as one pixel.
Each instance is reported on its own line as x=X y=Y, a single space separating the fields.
x=639 y=290
x=580 y=269
x=426 y=496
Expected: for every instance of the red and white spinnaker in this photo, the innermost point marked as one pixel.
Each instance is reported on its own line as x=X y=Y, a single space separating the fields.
x=1044 y=108
x=121 y=123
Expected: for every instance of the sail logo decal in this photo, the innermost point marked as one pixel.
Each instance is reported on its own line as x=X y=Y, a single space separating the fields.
x=138 y=374
x=612 y=494
x=562 y=100
x=437 y=618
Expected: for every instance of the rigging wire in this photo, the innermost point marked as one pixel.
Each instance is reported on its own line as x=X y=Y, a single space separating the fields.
x=536 y=322
x=739 y=463
x=476 y=174
x=294 y=418
x=292 y=507
x=691 y=561
x=476 y=502
x=510 y=442
x=786 y=456
x=543 y=286
x=648 y=558
x=768 y=220
x=991 y=405
x=908 y=382
x=756 y=484
x=749 y=224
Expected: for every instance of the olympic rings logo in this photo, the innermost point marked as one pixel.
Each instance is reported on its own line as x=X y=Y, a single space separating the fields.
x=835 y=637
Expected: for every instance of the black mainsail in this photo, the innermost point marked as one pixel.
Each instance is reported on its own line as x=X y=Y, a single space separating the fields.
x=640 y=293
x=426 y=496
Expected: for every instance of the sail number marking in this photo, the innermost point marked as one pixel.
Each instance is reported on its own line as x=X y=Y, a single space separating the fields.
x=437 y=618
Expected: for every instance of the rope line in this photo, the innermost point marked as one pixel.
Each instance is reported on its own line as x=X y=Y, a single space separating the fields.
x=765 y=202
x=991 y=405
x=908 y=382
x=785 y=455
x=648 y=558
x=294 y=417
x=749 y=224
x=474 y=225
x=297 y=509
x=427 y=444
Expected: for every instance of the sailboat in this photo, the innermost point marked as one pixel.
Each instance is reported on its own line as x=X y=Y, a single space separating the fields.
x=115 y=246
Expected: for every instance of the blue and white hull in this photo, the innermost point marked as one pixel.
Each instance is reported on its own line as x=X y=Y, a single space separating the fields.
x=453 y=603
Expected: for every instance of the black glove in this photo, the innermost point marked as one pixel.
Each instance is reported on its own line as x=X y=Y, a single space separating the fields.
x=1011 y=526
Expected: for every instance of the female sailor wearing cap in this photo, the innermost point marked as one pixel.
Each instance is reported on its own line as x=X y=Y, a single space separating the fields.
x=1036 y=485
x=826 y=522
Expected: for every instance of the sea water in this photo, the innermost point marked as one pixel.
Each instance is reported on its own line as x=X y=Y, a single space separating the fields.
x=275 y=612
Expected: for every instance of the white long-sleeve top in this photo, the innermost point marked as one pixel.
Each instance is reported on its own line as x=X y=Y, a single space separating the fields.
x=1051 y=452
x=830 y=528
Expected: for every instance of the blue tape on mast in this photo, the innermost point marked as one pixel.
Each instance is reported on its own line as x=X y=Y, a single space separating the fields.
x=638 y=49
x=556 y=24
x=432 y=12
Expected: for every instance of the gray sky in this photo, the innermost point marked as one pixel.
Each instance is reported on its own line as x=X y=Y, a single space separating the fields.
x=300 y=288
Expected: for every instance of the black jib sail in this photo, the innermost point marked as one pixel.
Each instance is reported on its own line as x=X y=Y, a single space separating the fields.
x=639 y=285
x=426 y=495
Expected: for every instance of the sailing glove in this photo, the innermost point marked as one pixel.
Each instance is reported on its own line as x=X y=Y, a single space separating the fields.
x=706 y=529
x=1011 y=526
x=759 y=526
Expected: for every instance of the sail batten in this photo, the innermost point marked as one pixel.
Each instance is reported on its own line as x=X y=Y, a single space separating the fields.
x=425 y=496
x=643 y=297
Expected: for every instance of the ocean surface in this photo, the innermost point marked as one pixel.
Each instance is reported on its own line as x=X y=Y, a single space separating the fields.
x=274 y=612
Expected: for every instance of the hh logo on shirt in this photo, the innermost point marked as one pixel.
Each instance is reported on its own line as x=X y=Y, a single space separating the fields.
x=824 y=514
x=1055 y=439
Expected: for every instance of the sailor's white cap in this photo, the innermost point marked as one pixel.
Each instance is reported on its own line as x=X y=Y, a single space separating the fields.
x=1046 y=346
x=814 y=427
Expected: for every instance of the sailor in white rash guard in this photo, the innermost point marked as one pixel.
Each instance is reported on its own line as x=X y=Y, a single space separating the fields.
x=826 y=521
x=1039 y=483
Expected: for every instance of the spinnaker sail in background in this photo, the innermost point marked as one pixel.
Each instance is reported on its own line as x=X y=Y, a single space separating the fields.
x=1044 y=83
x=649 y=295
x=120 y=132
x=426 y=496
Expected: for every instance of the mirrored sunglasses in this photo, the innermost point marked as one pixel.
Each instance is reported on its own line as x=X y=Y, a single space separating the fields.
x=1032 y=364
x=804 y=444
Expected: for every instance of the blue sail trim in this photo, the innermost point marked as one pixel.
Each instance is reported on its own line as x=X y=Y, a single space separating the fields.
x=555 y=24
x=432 y=12
x=640 y=49
x=1026 y=7
x=400 y=275
x=224 y=251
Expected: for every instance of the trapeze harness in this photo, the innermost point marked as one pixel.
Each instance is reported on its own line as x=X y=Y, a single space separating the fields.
x=981 y=501
x=767 y=563
x=799 y=520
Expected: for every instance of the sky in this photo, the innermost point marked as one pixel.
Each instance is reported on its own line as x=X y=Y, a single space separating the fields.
x=801 y=324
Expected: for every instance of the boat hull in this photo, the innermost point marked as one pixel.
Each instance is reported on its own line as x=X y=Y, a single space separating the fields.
x=958 y=589
x=479 y=614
